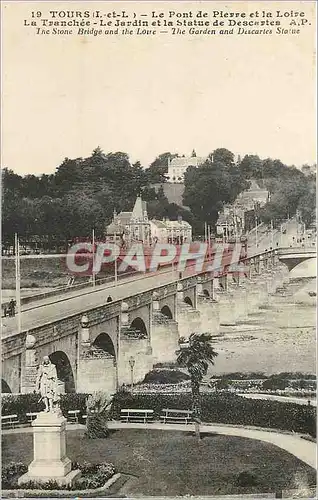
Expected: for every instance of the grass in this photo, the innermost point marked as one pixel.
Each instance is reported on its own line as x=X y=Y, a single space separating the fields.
x=173 y=463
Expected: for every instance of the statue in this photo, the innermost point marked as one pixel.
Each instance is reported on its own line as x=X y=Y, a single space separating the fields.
x=46 y=384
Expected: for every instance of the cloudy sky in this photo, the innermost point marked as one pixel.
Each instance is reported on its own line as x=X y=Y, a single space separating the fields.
x=147 y=95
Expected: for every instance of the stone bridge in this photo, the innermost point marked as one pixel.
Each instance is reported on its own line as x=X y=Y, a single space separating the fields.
x=118 y=342
x=291 y=257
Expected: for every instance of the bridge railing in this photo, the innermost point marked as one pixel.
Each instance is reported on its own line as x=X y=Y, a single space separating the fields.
x=110 y=279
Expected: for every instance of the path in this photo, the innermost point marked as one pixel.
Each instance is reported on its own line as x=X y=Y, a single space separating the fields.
x=294 y=444
x=283 y=399
x=305 y=450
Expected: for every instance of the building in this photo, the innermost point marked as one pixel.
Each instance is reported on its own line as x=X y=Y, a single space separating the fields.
x=177 y=167
x=232 y=220
x=131 y=226
x=135 y=226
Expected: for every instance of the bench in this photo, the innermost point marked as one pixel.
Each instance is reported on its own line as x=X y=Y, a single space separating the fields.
x=9 y=420
x=176 y=416
x=31 y=417
x=72 y=416
x=135 y=415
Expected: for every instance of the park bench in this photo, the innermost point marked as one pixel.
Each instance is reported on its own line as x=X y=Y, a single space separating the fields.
x=176 y=416
x=9 y=420
x=31 y=416
x=136 y=415
x=72 y=416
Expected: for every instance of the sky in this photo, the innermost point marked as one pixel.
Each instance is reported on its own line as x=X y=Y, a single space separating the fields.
x=64 y=96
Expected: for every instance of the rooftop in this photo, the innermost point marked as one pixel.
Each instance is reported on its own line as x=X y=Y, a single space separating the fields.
x=187 y=161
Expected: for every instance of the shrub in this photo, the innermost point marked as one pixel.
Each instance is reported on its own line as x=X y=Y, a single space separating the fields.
x=165 y=377
x=21 y=404
x=93 y=476
x=97 y=426
x=11 y=472
x=246 y=478
x=242 y=376
x=226 y=408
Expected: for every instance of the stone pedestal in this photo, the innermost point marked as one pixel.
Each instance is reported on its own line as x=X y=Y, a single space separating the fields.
x=49 y=461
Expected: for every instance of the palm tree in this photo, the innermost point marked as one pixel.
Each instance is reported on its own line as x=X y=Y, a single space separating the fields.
x=196 y=357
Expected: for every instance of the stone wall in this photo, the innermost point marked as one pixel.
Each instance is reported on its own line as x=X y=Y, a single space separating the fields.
x=140 y=350
x=96 y=374
x=164 y=338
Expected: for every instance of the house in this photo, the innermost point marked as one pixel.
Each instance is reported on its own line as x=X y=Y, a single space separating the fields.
x=177 y=167
x=135 y=226
x=131 y=225
x=232 y=220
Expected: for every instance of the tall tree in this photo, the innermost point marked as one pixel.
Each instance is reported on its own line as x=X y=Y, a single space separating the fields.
x=159 y=167
x=223 y=156
x=210 y=185
x=197 y=356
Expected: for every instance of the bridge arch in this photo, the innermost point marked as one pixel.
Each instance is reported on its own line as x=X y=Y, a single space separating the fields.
x=109 y=299
x=104 y=342
x=64 y=370
x=167 y=312
x=188 y=301
x=139 y=324
x=5 y=389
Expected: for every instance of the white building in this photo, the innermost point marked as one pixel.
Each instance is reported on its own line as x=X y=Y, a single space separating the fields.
x=135 y=226
x=177 y=167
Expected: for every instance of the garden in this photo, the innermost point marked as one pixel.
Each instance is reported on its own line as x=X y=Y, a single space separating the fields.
x=162 y=463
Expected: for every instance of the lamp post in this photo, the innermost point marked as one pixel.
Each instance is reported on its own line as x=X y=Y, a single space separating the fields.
x=132 y=364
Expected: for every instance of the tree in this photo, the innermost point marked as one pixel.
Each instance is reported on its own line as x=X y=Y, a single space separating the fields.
x=251 y=167
x=224 y=156
x=210 y=185
x=196 y=357
x=159 y=167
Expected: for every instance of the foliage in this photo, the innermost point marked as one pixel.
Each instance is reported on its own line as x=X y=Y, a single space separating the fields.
x=212 y=184
x=93 y=476
x=83 y=193
x=165 y=377
x=246 y=478
x=11 y=472
x=98 y=406
x=226 y=408
x=21 y=404
x=159 y=167
x=242 y=376
x=80 y=196
x=196 y=357
x=222 y=383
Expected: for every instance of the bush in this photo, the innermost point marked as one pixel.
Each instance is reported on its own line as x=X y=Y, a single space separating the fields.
x=226 y=408
x=165 y=377
x=97 y=426
x=21 y=404
x=11 y=472
x=93 y=476
x=242 y=376
x=246 y=478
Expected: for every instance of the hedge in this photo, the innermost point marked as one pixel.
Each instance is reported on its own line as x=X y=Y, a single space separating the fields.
x=222 y=408
x=165 y=377
x=21 y=404
x=226 y=409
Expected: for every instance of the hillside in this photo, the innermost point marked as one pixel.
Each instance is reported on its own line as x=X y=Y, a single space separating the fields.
x=172 y=191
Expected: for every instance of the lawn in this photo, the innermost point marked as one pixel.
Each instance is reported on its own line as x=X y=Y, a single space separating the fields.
x=173 y=463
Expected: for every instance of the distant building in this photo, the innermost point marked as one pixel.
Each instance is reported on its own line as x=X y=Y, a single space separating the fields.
x=177 y=167
x=232 y=220
x=131 y=225
x=135 y=226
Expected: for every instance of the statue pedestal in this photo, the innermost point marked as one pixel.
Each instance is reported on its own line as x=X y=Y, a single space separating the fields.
x=50 y=461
